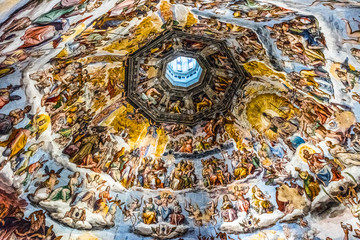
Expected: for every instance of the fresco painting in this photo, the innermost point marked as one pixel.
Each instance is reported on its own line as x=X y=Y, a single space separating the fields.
x=96 y=142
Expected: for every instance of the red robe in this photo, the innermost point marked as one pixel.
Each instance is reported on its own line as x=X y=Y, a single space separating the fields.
x=36 y=35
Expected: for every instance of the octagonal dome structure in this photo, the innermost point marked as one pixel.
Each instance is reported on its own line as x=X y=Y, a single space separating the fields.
x=178 y=78
x=183 y=71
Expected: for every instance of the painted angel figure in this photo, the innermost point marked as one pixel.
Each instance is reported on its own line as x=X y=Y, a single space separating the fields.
x=44 y=188
x=132 y=210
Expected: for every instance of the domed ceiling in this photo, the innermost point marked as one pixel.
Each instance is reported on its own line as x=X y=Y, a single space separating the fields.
x=179 y=119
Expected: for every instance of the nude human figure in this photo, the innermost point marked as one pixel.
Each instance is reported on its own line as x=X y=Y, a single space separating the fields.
x=351 y=34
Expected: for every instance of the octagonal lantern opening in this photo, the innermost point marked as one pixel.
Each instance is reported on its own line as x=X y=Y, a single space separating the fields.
x=183 y=71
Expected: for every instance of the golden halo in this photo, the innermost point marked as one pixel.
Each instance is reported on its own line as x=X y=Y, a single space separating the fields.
x=271 y=104
x=333 y=69
x=305 y=147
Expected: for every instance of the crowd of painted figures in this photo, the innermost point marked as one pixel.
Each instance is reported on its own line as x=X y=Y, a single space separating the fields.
x=187 y=144
x=286 y=144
